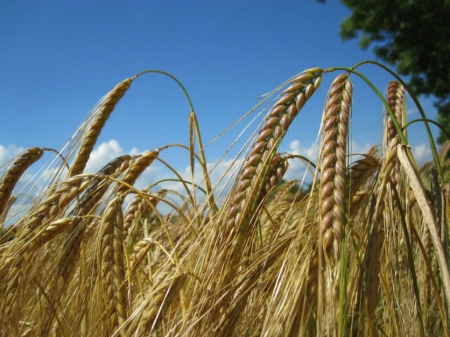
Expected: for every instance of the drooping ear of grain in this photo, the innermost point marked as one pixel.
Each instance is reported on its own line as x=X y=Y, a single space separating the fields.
x=136 y=169
x=13 y=174
x=54 y=204
x=361 y=172
x=102 y=115
x=90 y=201
x=334 y=147
x=253 y=173
x=112 y=248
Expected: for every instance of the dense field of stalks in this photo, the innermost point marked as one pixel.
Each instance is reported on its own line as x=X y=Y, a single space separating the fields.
x=363 y=252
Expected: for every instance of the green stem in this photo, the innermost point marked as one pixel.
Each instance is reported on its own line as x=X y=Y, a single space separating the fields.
x=422 y=113
x=429 y=121
x=183 y=182
x=172 y=77
x=380 y=95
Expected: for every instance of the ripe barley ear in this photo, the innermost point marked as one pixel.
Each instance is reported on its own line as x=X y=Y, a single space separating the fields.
x=102 y=115
x=333 y=164
x=15 y=171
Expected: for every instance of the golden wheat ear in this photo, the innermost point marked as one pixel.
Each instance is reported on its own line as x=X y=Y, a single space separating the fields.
x=333 y=165
x=14 y=172
x=250 y=182
x=89 y=139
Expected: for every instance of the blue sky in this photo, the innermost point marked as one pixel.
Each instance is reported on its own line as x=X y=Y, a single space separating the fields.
x=60 y=57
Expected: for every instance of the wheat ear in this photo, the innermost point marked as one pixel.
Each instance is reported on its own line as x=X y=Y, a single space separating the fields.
x=102 y=115
x=98 y=187
x=396 y=100
x=360 y=173
x=15 y=171
x=135 y=170
x=54 y=204
x=113 y=265
x=112 y=251
x=139 y=209
x=332 y=181
x=278 y=120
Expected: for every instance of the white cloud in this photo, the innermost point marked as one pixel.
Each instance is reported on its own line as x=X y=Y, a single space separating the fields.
x=102 y=155
x=297 y=167
x=422 y=153
x=219 y=175
x=412 y=111
x=356 y=148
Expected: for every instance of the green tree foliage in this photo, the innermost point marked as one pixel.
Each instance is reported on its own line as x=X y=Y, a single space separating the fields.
x=413 y=35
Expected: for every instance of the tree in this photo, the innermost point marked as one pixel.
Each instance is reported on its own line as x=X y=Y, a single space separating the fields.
x=414 y=36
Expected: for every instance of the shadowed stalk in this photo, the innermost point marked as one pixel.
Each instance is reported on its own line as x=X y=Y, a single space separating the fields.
x=418 y=189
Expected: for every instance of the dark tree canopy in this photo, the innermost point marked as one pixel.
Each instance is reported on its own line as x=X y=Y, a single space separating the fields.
x=413 y=35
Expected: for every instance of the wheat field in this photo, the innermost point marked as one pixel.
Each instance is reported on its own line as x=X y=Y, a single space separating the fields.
x=363 y=251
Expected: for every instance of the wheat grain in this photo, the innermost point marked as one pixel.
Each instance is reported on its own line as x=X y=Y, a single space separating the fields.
x=136 y=169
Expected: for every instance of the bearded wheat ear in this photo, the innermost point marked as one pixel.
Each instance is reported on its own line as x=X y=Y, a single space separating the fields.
x=252 y=176
x=139 y=209
x=113 y=266
x=334 y=147
x=112 y=247
x=104 y=111
x=15 y=171
x=396 y=100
